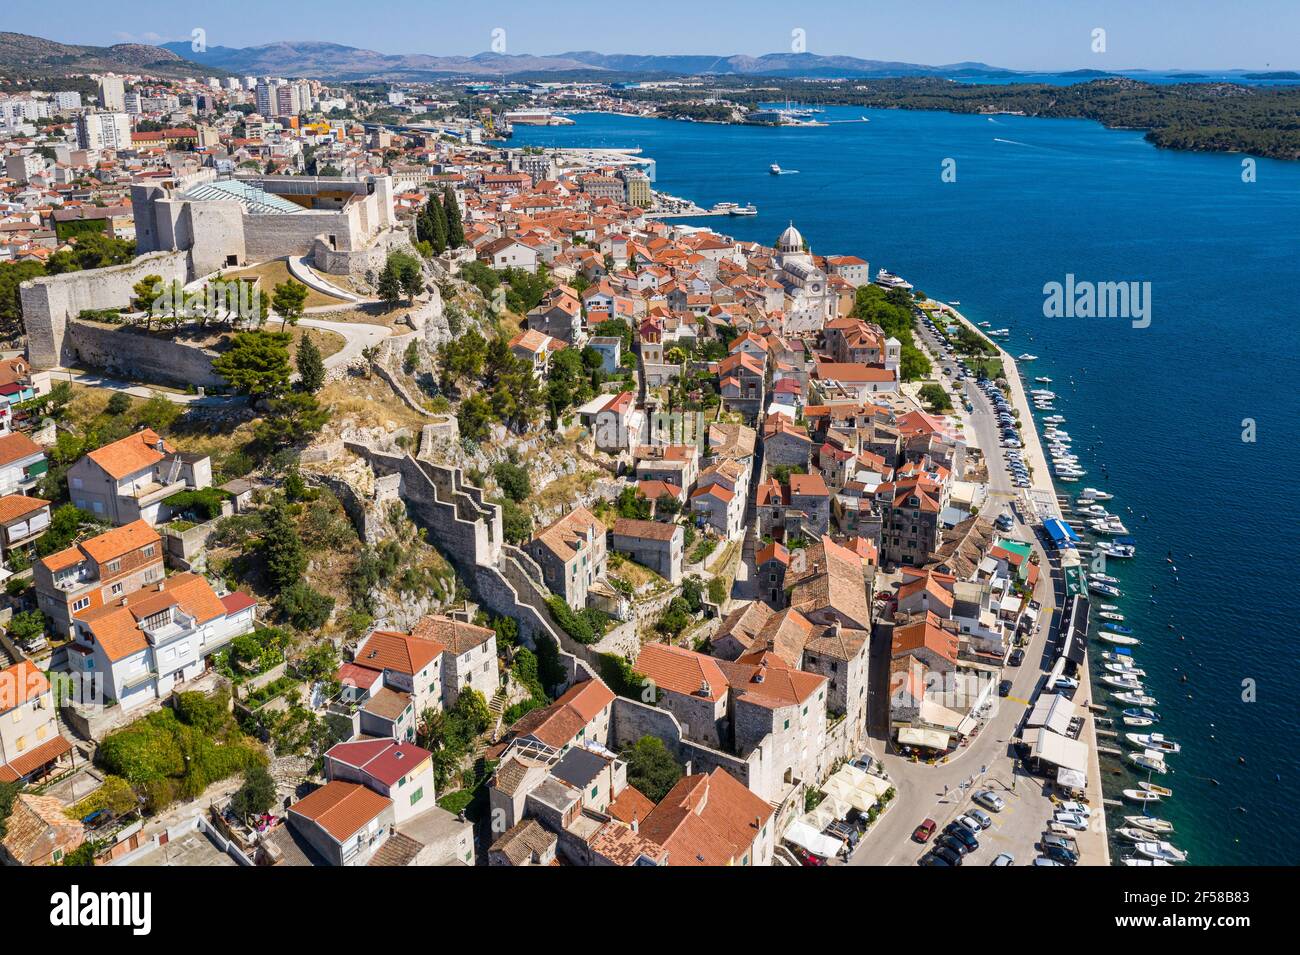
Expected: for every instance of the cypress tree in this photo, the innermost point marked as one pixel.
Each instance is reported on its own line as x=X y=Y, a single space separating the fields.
x=439 y=222
x=455 y=227
x=311 y=367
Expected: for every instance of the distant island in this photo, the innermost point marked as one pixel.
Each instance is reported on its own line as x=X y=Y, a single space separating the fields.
x=1206 y=117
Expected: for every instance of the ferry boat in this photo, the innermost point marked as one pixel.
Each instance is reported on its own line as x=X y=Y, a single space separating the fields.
x=734 y=209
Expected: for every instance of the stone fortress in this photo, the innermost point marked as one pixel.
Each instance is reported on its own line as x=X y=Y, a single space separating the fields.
x=191 y=226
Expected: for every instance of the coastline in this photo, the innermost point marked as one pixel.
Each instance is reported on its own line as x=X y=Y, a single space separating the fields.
x=1045 y=503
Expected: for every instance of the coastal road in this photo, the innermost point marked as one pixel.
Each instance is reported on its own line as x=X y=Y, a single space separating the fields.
x=942 y=792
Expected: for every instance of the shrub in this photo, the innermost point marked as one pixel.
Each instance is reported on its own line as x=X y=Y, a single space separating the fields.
x=304 y=607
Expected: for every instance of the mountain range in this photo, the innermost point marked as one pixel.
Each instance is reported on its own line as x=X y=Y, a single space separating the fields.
x=337 y=61
x=32 y=56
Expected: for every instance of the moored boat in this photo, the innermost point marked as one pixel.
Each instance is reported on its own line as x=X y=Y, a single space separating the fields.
x=1141 y=795
x=1154 y=741
x=1161 y=851
x=1119 y=639
x=1150 y=823
x=1157 y=789
x=1152 y=760
x=1137 y=699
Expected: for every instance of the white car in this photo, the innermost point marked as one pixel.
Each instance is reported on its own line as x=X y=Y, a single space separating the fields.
x=1071 y=820
x=970 y=823
x=989 y=800
x=1043 y=860
x=1004 y=858
x=1078 y=808
x=1065 y=683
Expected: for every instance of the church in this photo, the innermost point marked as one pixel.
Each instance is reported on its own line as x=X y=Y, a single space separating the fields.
x=812 y=303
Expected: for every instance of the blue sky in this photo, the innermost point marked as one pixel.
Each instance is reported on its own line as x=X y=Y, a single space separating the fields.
x=1019 y=34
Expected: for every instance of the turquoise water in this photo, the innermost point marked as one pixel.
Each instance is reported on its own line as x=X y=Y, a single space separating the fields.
x=1162 y=407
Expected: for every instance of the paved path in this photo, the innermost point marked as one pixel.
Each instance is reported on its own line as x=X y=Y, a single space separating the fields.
x=358 y=336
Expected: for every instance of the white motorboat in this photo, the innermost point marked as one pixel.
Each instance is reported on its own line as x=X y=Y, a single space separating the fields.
x=1121 y=551
x=1138 y=721
x=1135 y=860
x=1152 y=760
x=1150 y=823
x=1027 y=357
x=1145 y=712
x=1092 y=492
x=1055 y=419
x=1119 y=639
x=1154 y=741
x=1102 y=578
x=1122 y=682
x=1157 y=789
x=774 y=169
x=1141 y=795
x=1109 y=606
x=1125 y=669
x=1133 y=834
x=1069 y=478
x=1137 y=699
x=1161 y=851
x=1100 y=588
x=1111 y=615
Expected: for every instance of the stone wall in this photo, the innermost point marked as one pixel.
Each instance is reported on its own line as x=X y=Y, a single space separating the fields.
x=139 y=356
x=631 y=719
x=51 y=301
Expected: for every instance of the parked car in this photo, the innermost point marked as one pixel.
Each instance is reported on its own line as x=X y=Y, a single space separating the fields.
x=980 y=816
x=1017 y=657
x=807 y=858
x=947 y=855
x=958 y=831
x=1072 y=820
x=989 y=800
x=971 y=823
x=1065 y=683
x=924 y=831
x=952 y=844
x=933 y=859
x=1004 y=688
x=1004 y=858
x=1075 y=807
x=1043 y=860
x=1063 y=856
x=1049 y=839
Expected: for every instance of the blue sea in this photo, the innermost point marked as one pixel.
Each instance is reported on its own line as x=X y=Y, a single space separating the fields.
x=1212 y=592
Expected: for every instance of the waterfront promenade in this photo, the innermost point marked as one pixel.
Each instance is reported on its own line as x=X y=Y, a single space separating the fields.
x=1040 y=499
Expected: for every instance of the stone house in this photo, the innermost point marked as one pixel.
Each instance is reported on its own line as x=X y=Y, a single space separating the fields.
x=572 y=555
x=653 y=544
x=469 y=660
x=785 y=443
x=38 y=832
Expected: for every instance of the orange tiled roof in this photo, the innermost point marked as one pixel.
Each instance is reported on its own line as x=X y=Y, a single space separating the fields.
x=340 y=808
x=133 y=453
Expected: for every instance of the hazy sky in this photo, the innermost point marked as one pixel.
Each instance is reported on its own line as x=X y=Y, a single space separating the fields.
x=1019 y=34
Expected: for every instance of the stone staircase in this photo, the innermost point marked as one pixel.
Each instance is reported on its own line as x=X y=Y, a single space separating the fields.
x=497 y=707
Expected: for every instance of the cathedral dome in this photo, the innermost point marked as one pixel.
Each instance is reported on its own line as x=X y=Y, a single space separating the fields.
x=791 y=241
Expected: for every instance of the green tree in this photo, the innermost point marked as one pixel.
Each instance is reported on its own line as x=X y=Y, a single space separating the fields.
x=288 y=299
x=119 y=403
x=158 y=413
x=311 y=366
x=474 y=418
x=390 y=285
x=281 y=548
x=513 y=480
x=257 y=363
x=305 y=607
x=256 y=796
x=290 y=420
x=651 y=768
x=455 y=227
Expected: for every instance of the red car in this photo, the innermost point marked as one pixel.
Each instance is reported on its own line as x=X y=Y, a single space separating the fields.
x=925 y=830
x=807 y=858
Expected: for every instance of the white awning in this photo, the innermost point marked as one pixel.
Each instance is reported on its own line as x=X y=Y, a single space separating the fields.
x=1071 y=779
x=1061 y=751
x=939 y=715
x=914 y=736
x=1052 y=710
x=805 y=836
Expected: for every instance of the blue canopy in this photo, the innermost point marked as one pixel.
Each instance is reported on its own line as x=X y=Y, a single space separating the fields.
x=1060 y=532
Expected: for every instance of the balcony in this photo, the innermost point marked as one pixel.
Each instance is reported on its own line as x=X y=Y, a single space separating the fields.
x=152 y=493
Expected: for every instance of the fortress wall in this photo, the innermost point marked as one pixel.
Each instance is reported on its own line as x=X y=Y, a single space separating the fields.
x=137 y=356
x=50 y=301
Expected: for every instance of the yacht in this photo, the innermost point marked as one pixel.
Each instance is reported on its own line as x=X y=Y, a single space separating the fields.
x=1154 y=741
x=774 y=169
x=1102 y=578
x=1151 y=760
x=1055 y=419
x=1095 y=494
x=1112 y=549
x=1125 y=669
x=1107 y=589
x=1161 y=852
x=1027 y=357
x=1126 y=683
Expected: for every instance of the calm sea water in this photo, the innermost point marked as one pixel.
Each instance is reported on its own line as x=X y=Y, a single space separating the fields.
x=1162 y=407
